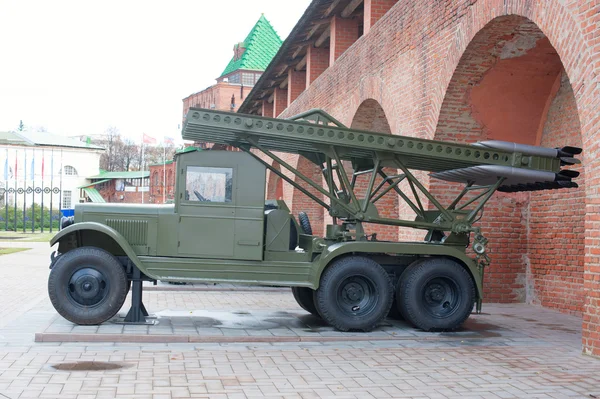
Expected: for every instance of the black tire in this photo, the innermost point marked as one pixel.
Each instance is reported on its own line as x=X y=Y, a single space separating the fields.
x=305 y=223
x=87 y=286
x=355 y=293
x=436 y=294
x=304 y=297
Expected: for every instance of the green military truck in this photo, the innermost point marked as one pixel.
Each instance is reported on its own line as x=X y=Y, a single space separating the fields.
x=222 y=229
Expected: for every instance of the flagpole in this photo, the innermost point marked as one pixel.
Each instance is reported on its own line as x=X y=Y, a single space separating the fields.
x=42 y=217
x=164 y=173
x=51 y=185
x=16 y=169
x=6 y=192
x=24 y=189
x=60 y=189
x=143 y=168
x=33 y=190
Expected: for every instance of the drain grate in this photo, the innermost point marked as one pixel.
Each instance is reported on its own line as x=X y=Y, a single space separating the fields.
x=87 y=366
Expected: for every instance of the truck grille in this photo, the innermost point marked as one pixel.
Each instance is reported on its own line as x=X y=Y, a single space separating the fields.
x=134 y=231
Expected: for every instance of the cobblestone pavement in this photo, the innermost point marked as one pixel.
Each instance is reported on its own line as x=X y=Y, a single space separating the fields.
x=510 y=351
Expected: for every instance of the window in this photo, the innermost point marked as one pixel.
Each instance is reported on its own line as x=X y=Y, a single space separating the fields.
x=66 y=200
x=70 y=171
x=248 y=79
x=205 y=184
x=234 y=78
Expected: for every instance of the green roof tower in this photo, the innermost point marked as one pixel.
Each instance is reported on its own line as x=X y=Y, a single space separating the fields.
x=257 y=50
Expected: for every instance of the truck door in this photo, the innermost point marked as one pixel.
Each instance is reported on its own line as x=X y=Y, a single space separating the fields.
x=221 y=205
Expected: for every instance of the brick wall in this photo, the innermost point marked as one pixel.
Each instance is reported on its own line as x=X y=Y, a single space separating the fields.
x=557 y=219
x=406 y=63
x=158 y=177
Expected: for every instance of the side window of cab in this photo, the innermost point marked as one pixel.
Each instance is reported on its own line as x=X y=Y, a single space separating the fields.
x=209 y=184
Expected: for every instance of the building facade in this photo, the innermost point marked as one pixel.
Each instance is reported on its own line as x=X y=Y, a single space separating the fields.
x=162 y=182
x=118 y=187
x=42 y=168
x=515 y=70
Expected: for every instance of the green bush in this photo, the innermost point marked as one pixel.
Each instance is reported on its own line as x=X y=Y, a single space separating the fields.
x=27 y=220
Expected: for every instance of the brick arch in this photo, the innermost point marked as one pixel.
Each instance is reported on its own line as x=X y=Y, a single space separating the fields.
x=511 y=84
x=572 y=48
x=371 y=88
x=371 y=116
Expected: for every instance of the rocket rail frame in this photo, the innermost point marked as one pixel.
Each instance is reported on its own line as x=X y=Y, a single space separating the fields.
x=327 y=143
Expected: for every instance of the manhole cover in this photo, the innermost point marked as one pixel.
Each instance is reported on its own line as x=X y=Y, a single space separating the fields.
x=87 y=366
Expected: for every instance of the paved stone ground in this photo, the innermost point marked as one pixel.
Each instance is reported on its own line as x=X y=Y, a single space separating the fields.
x=510 y=351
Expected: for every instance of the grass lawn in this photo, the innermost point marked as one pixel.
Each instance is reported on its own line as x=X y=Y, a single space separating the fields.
x=6 y=251
x=30 y=237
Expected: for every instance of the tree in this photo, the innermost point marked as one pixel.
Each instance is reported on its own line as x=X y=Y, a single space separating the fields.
x=129 y=155
x=111 y=143
x=21 y=126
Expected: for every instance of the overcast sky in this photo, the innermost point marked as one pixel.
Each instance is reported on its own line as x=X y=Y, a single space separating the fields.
x=78 y=67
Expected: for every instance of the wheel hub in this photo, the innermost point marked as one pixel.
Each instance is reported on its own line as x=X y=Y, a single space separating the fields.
x=87 y=286
x=354 y=292
x=356 y=295
x=440 y=297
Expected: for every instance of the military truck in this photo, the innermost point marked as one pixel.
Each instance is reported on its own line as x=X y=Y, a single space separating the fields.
x=221 y=228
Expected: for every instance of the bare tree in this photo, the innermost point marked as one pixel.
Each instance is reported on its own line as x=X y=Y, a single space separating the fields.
x=125 y=155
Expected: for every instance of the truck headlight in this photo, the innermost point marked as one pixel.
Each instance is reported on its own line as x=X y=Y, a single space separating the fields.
x=66 y=221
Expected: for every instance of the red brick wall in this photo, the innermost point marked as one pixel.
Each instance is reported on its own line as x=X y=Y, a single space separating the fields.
x=344 y=32
x=129 y=197
x=279 y=101
x=267 y=109
x=296 y=84
x=316 y=63
x=375 y=9
x=406 y=63
x=219 y=95
x=157 y=183
x=557 y=219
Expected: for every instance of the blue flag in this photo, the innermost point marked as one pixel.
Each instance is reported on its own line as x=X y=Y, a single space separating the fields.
x=6 y=169
x=33 y=166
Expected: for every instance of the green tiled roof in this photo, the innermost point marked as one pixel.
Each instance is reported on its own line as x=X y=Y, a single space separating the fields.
x=262 y=43
x=121 y=175
x=96 y=182
x=94 y=195
x=187 y=149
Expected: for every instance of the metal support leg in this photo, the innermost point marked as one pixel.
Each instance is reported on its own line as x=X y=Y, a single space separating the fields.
x=138 y=313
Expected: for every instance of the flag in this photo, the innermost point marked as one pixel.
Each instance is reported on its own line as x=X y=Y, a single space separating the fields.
x=6 y=167
x=33 y=166
x=16 y=163
x=169 y=140
x=148 y=139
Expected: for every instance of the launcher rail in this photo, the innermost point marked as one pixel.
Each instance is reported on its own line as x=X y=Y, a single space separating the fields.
x=484 y=168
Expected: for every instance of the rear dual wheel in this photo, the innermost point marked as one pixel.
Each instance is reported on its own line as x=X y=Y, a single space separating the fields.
x=435 y=294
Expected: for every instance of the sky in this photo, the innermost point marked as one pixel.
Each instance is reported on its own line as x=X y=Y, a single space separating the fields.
x=78 y=67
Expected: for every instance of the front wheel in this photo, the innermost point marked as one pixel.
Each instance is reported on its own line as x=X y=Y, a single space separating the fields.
x=87 y=285
x=355 y=293
x=436 y=294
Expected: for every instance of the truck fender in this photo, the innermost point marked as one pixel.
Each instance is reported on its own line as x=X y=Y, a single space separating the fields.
x=357 y=247
x=65 y=245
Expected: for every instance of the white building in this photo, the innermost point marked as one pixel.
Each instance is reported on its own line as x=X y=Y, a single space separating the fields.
x=39 y=166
